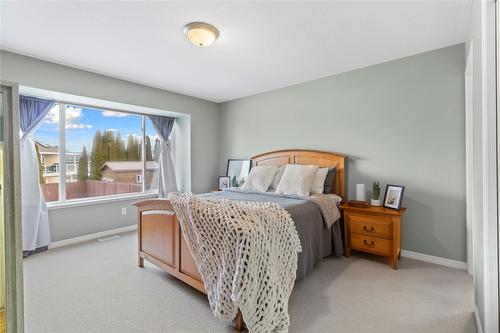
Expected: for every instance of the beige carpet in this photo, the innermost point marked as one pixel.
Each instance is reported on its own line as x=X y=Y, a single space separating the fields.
x=97 y=287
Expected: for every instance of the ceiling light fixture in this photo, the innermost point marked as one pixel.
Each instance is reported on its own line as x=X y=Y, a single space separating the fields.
x=201 y=34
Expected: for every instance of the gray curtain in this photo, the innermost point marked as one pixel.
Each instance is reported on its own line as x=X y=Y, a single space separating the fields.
x=34 y=214
x=163 y=155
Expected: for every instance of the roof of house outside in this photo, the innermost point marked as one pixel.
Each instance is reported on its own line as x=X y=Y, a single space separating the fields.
x=45 y=148
x=121 y=166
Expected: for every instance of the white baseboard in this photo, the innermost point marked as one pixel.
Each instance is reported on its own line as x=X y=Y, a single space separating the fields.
x=434 y=260
x=478 y=320
x=404 y=253
x=85 y=238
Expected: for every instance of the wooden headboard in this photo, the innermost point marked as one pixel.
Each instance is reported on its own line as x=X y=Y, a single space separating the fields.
x=304 y=156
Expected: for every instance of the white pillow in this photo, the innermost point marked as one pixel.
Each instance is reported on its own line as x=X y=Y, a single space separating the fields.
x=260 y=178
x=277 y=178
x=297 y=179
x=318 y=185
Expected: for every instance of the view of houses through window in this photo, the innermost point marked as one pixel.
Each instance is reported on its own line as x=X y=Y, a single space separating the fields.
x=103 y=153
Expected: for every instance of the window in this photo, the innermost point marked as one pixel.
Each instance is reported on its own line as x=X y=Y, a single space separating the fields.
x=151 y=172
x=87 y=152
x=46 y=139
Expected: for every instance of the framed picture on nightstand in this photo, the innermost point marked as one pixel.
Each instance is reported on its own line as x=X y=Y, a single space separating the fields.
x=393 y=196
x=224 y=182
x=237 y=171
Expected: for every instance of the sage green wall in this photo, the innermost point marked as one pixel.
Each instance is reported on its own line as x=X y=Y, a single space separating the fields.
x=73 y=222
x=70 y=222
x=400 y=122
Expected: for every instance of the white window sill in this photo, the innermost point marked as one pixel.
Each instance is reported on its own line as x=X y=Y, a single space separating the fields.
x=100 y=200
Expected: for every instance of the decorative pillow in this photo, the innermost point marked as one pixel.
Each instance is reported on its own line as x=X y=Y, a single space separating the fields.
x=318 y=185
x=330 y=178
x=297 y=179
x=277 y=178
x=260 y=178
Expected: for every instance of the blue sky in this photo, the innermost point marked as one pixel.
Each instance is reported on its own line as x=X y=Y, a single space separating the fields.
x=82 y=123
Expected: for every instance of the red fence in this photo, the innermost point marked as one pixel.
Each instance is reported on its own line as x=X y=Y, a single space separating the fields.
x=88 y=189
x=50 y=191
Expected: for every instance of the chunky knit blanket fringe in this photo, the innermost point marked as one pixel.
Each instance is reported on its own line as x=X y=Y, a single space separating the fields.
x=246 y=253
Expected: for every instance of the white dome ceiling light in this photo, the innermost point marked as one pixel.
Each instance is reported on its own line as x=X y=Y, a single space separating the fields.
x=201 y=34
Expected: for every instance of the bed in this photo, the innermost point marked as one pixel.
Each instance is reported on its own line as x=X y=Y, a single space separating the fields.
x=160 y=237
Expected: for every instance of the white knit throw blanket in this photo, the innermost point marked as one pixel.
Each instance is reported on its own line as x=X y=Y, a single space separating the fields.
x=246 y=253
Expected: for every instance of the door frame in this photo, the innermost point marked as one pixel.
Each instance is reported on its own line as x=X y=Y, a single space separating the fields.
x=469 y=158
x=490 y=167
x=12 y=209
x=496 y=59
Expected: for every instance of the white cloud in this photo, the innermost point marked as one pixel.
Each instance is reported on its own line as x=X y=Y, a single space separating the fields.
x=73 y=116
x=114 y=114
x=78 y=126
x=53 y=115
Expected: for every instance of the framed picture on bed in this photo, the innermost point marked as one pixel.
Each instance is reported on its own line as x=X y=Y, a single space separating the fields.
x=393 y=196
x=237 y=171
x=223 y=183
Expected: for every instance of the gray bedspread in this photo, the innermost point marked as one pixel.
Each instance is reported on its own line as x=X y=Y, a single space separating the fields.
x=316 y=240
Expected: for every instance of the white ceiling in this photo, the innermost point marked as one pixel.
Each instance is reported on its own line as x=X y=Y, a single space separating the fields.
x=262 y=46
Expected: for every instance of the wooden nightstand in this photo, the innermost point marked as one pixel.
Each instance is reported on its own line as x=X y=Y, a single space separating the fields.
x=375 y=230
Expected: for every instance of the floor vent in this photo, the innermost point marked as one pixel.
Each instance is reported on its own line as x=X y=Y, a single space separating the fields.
x=104 y=239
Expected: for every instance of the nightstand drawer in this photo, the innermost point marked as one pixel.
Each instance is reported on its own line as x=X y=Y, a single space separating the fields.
x=370 y=225
x=371 y=244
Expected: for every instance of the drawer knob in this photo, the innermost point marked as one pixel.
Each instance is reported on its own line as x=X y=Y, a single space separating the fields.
x=368 y=243
x=371 y=229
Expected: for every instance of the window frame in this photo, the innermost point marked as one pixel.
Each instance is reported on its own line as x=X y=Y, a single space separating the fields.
x=62 y=201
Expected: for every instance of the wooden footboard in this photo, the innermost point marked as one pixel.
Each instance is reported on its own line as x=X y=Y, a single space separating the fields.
x=161 y=242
